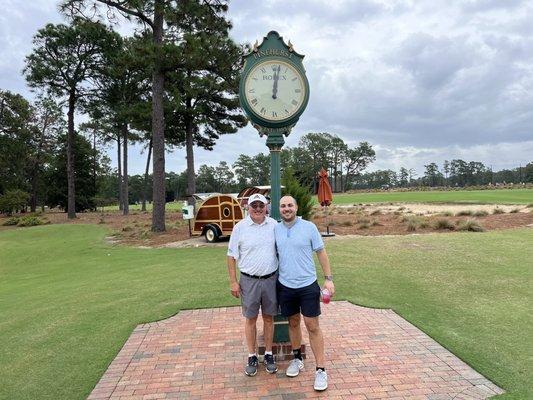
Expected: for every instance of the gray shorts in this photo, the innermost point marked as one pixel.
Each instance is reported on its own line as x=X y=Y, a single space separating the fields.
x=258 y=293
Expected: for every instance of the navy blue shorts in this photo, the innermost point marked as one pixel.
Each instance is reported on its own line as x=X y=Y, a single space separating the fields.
x=305 y=300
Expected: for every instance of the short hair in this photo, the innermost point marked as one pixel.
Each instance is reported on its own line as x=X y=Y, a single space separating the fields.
x=291 y=196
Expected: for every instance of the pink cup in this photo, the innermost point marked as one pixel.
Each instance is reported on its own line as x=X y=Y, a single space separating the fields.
x=326 y=296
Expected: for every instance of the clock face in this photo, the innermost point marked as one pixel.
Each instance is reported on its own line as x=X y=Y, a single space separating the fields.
x=275 y=90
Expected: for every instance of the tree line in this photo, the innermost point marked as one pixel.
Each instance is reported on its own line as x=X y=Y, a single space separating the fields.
x=172 y=84
x=304 y=160
x=454 y=173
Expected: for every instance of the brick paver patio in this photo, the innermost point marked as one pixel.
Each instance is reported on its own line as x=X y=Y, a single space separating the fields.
x=371 y=354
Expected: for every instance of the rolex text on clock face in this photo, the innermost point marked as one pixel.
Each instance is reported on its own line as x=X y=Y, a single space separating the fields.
x=274 y=90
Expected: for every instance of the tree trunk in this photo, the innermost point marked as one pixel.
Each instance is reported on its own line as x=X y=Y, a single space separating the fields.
x=145 y=188
x=158 y=124
x=125 y=193
x=95 y=161
x=33 y=200
x=71 y=189
x=189 y=143
x=119 y=171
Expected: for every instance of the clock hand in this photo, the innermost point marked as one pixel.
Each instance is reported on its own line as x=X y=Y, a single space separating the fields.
x=275 y=87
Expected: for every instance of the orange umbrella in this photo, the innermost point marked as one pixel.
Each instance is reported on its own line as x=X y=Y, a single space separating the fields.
x=325 y=196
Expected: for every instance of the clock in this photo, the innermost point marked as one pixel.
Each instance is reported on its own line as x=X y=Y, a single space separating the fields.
x=275 y=90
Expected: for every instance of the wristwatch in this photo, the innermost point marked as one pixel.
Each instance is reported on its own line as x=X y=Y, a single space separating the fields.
x=328 y=277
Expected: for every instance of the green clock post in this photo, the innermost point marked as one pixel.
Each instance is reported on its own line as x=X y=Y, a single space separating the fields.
x=274 y=92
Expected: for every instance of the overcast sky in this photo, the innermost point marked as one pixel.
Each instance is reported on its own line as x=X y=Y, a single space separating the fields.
x=422 y=81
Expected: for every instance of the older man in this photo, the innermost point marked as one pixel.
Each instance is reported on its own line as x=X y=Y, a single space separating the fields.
x=298 y=289
x=252 y=246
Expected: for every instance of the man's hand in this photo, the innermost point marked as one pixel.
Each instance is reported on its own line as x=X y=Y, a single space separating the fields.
x=330 y=286
x=235 y=289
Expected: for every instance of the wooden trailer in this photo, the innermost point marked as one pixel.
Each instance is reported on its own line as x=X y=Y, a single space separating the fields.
x=216 y=217
x=217 y=213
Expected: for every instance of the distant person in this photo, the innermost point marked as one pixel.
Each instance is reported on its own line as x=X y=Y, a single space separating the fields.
x=298 y=289
x=253 y=248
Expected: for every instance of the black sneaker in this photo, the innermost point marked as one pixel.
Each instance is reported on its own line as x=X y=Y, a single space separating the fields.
x=270 y=364
x=251 y=368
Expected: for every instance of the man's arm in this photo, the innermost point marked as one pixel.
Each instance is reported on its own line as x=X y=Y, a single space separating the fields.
x=232 y=271
x=326 y=268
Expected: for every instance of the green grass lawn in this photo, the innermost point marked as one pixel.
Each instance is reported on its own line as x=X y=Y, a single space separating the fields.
x=502 y=196
x=69 y=301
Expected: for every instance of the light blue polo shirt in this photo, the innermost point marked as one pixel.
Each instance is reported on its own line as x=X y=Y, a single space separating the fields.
x=295 y=251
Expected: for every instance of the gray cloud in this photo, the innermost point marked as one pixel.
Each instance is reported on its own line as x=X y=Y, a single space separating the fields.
x=422 y=81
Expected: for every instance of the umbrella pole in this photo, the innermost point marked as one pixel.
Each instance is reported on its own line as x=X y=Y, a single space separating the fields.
x=327 y=223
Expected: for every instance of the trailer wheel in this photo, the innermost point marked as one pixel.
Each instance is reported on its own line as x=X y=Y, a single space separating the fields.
x=211 y=234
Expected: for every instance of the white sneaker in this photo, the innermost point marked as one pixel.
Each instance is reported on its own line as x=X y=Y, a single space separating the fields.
x=294 y=368
x=321 y=380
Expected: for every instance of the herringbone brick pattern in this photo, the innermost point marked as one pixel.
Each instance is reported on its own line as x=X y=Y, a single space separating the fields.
x=371 y=354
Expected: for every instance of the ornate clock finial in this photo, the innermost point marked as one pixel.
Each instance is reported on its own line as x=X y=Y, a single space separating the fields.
x=256 y=45
x=291 y=48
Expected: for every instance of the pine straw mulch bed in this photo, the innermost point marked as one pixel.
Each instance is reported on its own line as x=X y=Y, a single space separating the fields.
x=364 y=220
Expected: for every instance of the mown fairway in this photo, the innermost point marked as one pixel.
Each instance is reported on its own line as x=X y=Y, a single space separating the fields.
x=69 y=301
x=503 y=196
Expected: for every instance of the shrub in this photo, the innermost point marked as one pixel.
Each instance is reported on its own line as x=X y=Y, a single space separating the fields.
x=498 y=211
x=301 y=194
x=364 y=225
x=514 y=210
x=530 y=205
x=127 y=228
x=13 y=200
x=424 y=223
x=464 y=212
x=30 y=220
x=481 y=213
x=412 y=226
x=408 y=218
x=446 y=214
x=443 y=223
x=376 y=212
x=414 y=222
x=470 y=225
x=11 y=221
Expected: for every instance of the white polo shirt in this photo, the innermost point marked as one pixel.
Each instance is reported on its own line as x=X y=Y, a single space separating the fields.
x=254 y=246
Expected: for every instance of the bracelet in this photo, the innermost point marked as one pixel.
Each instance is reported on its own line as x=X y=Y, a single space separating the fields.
x=328 y=277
